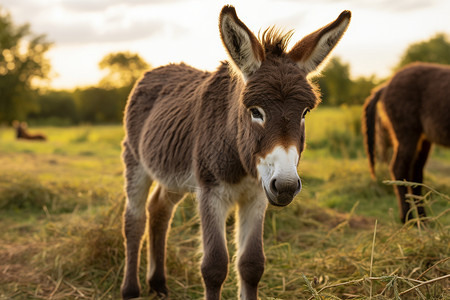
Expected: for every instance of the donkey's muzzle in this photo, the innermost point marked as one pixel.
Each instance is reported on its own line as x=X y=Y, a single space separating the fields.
x=282 y=192
x=279 y=177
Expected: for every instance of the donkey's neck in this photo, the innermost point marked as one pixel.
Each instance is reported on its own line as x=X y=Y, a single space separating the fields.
x=217 y=154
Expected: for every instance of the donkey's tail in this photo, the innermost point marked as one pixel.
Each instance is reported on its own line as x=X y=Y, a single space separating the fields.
x=369 y=117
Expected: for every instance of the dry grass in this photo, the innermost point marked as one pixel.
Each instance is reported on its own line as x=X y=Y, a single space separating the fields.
x=61 y=208
x=312 y=253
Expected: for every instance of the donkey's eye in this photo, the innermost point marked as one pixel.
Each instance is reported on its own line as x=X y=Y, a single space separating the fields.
x=257 y=114
x=305 y=112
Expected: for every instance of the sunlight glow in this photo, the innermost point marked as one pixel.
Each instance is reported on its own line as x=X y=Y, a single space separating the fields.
x=161 y=32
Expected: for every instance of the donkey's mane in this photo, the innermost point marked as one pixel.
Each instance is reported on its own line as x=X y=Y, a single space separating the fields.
x=274 y=40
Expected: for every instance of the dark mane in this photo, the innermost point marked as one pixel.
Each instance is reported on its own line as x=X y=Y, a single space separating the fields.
x=274 y=40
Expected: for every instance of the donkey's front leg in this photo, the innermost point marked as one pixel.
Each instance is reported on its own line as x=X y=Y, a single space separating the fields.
x=213 y=213
x=250 y=256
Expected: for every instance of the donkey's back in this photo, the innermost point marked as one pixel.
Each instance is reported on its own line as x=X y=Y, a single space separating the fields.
x=159 y=121
x=417 y=99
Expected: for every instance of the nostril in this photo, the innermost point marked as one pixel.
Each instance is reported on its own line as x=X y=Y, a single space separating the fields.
x=273 y=186
x=299 y=186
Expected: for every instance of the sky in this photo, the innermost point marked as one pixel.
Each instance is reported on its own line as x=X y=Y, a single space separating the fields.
x=166 y=31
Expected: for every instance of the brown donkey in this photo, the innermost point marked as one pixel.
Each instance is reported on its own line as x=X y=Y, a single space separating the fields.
x=414 y=106
x=234 y=138
x=22 y=132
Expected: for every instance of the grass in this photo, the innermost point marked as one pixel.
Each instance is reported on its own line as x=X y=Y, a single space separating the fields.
x=61 y=206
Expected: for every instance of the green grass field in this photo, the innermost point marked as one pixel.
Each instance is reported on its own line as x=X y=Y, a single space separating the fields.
x=61 y=205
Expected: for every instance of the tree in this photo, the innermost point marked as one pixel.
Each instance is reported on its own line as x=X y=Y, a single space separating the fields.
x=56 y=108
x=435 y=50
x=22 y=61
x=124 y=69
x=100 y=105
x=361 y=89
x=338 y=88
x=335 y=82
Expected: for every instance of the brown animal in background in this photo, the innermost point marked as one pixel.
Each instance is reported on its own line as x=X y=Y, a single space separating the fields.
x=415 y=108
x=22 y=133
x=234 y=139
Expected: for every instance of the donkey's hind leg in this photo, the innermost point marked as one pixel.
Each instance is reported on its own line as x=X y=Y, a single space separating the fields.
x=417 y=175
x=137 y=185
x=401 y=169
x=160 y=210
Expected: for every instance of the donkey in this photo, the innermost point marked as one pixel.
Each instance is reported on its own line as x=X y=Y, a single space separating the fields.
x=233 y=136
x=414 y=106
x=22 y=133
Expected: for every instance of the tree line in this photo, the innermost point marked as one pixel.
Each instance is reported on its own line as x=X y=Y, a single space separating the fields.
x=100 y=104
x=22 y=68
x=339 y=88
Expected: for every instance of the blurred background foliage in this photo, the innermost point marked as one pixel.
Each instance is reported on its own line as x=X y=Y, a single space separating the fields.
x=22 y=62
x=24 y=70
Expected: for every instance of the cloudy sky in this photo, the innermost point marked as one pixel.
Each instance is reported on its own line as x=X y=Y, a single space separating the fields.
x=163 y=31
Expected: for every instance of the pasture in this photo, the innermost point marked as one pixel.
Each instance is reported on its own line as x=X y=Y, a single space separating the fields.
x=61 y=204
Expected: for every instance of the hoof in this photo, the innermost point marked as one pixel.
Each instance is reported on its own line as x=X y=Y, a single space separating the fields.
x=158 y=287
x=130 y=292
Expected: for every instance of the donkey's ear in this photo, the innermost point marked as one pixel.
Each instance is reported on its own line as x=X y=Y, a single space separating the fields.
x=243 y=47
x=312 y=50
